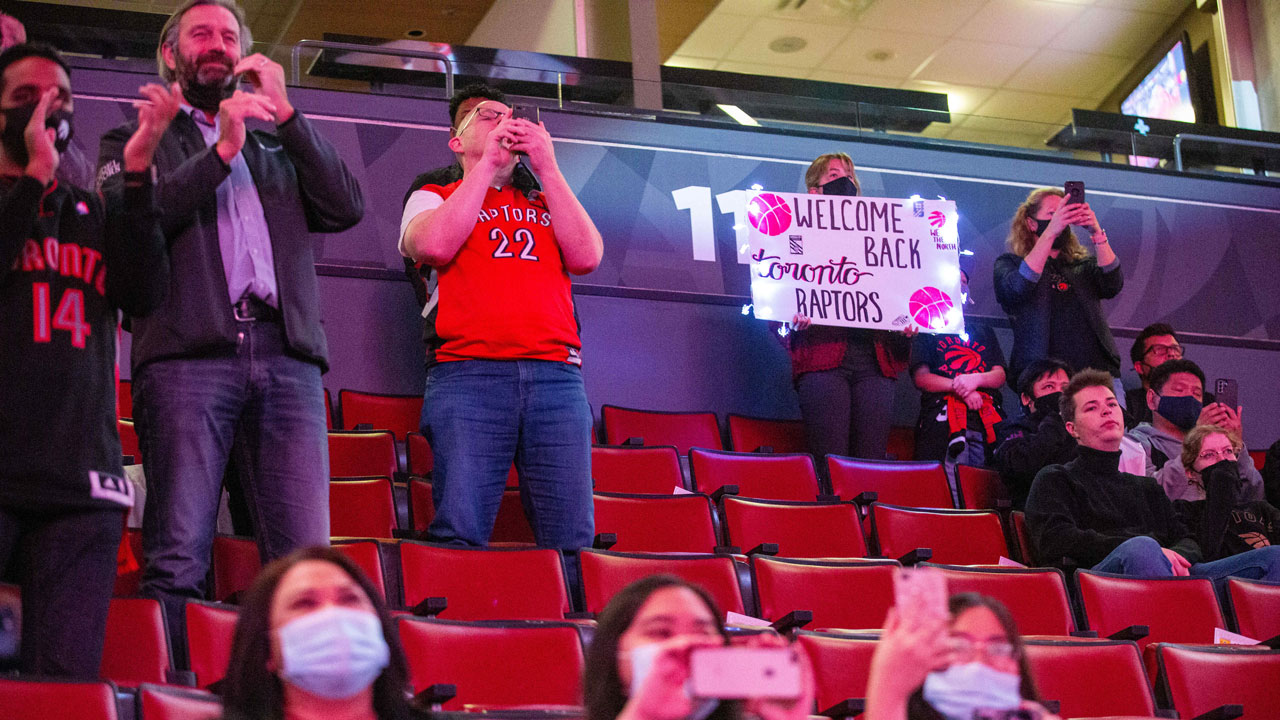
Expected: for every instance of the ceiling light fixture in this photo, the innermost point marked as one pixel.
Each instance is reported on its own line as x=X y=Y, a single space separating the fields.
x=788 y=44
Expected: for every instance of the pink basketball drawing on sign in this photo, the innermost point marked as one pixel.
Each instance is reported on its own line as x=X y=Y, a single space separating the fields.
x=929 y=307
x=769 y=214
x=937 y=219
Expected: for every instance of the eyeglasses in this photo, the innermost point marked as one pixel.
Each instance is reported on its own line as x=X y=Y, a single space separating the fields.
x=482 y=112
x=967 y=649
x=1171 y=352
x=1217 y=456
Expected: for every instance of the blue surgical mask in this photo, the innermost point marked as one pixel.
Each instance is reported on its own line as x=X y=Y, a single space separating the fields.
x=334 y=653
x=960 y=690
x=1182 y=411
x=642 y=658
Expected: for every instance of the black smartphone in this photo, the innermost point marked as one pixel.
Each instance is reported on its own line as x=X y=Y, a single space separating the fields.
x=1074 y=190
x=1228 y=392
x=528 y=112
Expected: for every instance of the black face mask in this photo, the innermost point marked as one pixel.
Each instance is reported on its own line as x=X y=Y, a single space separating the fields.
x=15 y=126
x=840 y=186
x=1059 y=242
x=1224 y=473
x=205 y=93
x=1048 y=404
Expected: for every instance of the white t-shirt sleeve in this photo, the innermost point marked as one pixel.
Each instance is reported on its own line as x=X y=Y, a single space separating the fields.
x=419 y=202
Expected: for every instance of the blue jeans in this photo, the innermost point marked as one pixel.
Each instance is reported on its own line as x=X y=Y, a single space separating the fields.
x=1142 y=557
x=480 y=416
x=191 y=414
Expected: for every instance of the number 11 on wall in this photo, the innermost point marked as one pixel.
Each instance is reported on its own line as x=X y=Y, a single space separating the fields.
x=697 y=200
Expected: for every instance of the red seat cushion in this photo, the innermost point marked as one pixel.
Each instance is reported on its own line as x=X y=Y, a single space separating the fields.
x=801 y=530
x=681 y=429
x=605 y=573
x=957 y=537
x=911 y=484
x=840 y=594
x=757 y=475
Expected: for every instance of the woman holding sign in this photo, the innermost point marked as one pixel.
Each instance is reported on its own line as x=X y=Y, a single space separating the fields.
x=844 y=376
x=1052 y=288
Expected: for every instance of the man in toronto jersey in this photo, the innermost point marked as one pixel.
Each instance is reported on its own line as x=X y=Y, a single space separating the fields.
x=504 y=378
x=68 y=263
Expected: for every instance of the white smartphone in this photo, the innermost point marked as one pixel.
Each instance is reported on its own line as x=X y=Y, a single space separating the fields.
x=739 y=673
x=920 y=592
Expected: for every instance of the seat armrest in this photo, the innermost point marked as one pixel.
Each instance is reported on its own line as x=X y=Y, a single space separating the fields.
x=1222 y=712
x=1133 y=632
x=763 y=449
x=1084 y=633
x=633 y=442
x=846 y=708
x=792 y=621
x=726 y=550
x=430 y=607
x=916 y=556
x=768 y=548
x=722 y=491
x=186 y=678
x=866 y=498
x=435 y=696
x=604 y=541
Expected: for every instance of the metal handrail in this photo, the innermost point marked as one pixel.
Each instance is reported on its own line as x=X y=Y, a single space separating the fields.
x=1177 y=144
x=295 y=69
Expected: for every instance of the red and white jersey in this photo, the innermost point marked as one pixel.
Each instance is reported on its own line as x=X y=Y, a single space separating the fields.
x=506 y=294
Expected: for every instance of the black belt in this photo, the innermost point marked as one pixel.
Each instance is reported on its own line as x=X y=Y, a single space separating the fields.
x=252 y=309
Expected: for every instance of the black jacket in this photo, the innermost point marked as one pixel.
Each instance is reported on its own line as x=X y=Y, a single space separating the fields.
x=304 y=187
x=1225 y=526
x=1027 y=445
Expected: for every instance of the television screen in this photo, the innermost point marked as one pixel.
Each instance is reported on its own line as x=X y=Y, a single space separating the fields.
x=1164 y=93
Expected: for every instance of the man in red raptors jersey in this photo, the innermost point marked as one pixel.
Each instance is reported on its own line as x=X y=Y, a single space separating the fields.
x=504 y=381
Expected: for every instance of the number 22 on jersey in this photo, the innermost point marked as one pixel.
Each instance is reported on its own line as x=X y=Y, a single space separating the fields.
x=522 y=237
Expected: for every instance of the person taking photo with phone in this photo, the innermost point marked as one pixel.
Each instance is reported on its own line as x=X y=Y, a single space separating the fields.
x=1052 y=288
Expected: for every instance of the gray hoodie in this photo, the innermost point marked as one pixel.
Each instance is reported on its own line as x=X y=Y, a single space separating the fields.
x=1173 y=478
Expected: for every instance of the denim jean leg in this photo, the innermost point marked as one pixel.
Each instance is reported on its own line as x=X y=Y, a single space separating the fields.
x=283 y=448
x=554 y=456
x=186 y=412
x=1258 y=564
x=471 y=417
x=1138 y=556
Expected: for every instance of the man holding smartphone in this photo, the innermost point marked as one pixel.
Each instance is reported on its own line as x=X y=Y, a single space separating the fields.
x=504 y=378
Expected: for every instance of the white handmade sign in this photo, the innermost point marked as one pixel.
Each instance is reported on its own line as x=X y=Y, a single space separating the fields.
x=884 y=263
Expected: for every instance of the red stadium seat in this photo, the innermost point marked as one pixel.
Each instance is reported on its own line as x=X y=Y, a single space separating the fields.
x=401 y=414
x=847 y=594
x=210 y=627
x=841 y=664
x=161 y=702
x=681 y=429
x=913 y=484
x=486 y=583
x=129 y=440
x=1091 y=678
x=362 y=507
x=902 y=443
x=124 y=399
x=1256 y=606
x=605 y=573
x=1021 y=538
x=422 y=508
x=418 y=455
x=1259 y=458
x=495 y=664
x=129 y=577
x=748 y=434
x=328 y=410
x=1037 y=597
x=657 y=523
x=236 y=563
x=957 y=537
x=512 y=525
x=623 y=469
x=801 y=530
x=367 y=555
x=980 y=488
x=1199 y=679
x=757 y=475
x=44 y=699
x=362 y=454
x=137 y=648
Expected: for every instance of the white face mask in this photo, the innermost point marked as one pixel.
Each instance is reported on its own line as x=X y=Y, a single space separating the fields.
x=334 y=653
x=642 y=658
x=961 y=689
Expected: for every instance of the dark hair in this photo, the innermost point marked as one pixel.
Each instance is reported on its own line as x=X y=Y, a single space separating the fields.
x=1089 y=377
x=474 y=90
x=1161 y=373
x=22 y=51
x=604 y=695
x=252 y=692
x=169 y=33
x=1038 y=369
x=1139 y=349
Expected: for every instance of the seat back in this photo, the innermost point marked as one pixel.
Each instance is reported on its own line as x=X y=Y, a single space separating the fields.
x=801 y=530
x=902 y=443
x=841 y=593
x=747 y=434
x=841 y=665
x=980 y=488
x=328 y=410
x=1256 y=604
x=32 y=699
x=538 y=663
x=401 y=414
x=912 y=484
x=128 y=439
x=367 y=555
x=1021 y=538
x=486 y=583
x=1036 y=597
x=210 y=628
x=1091 y=678
x=1181 y=609
x=137 y=648
x=361 y=507
x=651 y=470
x=1198 y=679
x=362 y=454
x=418 y=455
x=162 y=702
x=957 y=537
x=422 y=507
x=604 y=573
x=236 y=563
x=511 y=525
x=757 y=475
x=654 y=523
x=124 y=399
x=129 y=575
x=681 y=429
